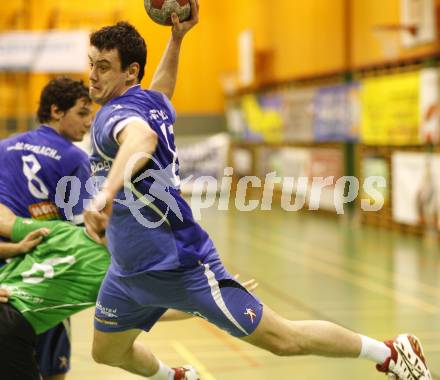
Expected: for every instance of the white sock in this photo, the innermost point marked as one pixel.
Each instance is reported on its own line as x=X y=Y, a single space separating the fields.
x=163 y=373
x=374 y=350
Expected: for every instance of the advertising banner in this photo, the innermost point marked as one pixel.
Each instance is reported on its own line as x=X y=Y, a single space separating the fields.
x=236 y=122
x=390 y=109
x=205 y=158
x=285 y=162
x=291 y=166
x=336 y=110
x=416 y=185
x=376 y=167
x=298 y=114
x=55 y=51
x=263 y=116
x=429 y=106
x=325 y=163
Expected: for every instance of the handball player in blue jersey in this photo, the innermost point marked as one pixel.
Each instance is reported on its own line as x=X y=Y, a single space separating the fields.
x=160 y=257
x=32 y=164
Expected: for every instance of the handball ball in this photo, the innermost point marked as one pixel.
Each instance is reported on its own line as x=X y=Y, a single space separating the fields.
x=160 y=10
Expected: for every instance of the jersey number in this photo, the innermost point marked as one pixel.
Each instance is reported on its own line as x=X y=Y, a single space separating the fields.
x=163 y=129
x=36 y=186
x=39 y=272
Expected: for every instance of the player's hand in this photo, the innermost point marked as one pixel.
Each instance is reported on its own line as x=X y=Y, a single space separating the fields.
x=181 y=28
x=4 y=295
x=32 y=240
x=250 y=285
x=97 y=215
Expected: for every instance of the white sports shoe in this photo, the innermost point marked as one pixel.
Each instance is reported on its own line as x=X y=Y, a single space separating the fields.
x=186 y=372
x=407 y=361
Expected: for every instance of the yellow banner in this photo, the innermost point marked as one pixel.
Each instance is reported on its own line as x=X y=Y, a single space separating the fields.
x=390 y=109
x=266 y=122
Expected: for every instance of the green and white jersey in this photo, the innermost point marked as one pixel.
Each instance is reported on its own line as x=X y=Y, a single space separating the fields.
x=60 y=277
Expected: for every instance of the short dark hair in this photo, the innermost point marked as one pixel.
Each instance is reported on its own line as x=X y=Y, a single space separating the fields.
x=62 y=92
x=126 y=40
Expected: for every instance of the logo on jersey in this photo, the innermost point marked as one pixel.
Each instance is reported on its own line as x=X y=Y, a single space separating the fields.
x=251 y=314
x=156 y=114
x=100 y=166
x=44 y=211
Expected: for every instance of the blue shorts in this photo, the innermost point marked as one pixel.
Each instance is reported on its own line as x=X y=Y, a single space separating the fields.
x=207 y=290
x=53 y=350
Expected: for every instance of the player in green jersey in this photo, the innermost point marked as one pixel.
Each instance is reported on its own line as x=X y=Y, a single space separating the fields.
x=74 y=264
x=60 y=276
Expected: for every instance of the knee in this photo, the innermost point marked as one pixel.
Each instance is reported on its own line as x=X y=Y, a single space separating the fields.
x=278 y=349
x=284 y=341
x=98 y=355
x=103 y=356
x=279 y=336
x=283 y=347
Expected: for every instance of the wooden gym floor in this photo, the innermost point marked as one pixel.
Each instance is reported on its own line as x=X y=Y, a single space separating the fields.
x=308 y=266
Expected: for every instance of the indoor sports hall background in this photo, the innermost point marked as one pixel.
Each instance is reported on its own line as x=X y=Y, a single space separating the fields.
x=327 y=114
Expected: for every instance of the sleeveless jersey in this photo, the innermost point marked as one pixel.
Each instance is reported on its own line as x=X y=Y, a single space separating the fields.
x=152 y=226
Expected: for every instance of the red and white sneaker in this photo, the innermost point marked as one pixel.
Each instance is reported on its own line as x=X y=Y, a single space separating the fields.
x=407 y=361
x=186 y=372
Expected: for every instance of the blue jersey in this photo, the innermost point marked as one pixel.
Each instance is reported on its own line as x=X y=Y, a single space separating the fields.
x=32 y=164
x=152 y=226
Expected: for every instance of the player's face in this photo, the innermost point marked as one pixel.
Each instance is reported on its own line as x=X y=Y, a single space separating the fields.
x=107 y=80
x=76 y=121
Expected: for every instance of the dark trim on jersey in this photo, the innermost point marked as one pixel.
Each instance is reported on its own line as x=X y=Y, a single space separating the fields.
x=229 y=283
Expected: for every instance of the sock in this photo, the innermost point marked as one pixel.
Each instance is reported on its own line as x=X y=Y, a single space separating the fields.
x=374 y=350
x=163 y=373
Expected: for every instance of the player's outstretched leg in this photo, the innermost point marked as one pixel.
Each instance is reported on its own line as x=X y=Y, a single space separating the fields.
x=134 y=357
x=288 y=338
x=402 y=357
